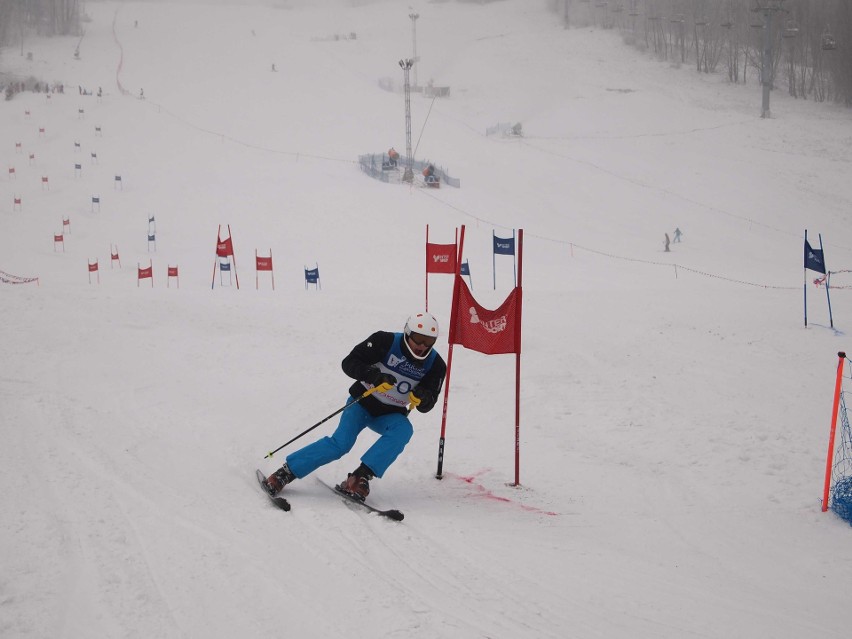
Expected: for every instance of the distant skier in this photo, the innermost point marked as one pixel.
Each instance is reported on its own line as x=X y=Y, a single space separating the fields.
x=677 y=235
x=401 y=372
x=667 y=243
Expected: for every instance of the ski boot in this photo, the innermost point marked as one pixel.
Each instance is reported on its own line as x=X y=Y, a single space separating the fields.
x=275 y=483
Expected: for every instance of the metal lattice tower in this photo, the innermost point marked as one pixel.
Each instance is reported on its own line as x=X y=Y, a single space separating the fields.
x=414 y=59
x=408 y=176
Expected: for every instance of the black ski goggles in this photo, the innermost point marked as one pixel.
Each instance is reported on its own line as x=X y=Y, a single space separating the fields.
x=422 y=340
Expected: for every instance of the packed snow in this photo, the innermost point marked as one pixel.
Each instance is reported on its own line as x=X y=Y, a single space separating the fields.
x=674 y=407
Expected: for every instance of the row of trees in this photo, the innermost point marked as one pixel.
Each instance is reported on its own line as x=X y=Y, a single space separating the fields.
x=811 y=40
x=42 y=17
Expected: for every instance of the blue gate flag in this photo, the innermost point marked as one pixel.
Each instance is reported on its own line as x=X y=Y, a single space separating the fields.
x=814 y=259
x=312 y=276
x=504 y=246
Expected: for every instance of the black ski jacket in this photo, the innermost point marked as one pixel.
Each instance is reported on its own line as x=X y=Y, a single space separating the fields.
x=374 y=349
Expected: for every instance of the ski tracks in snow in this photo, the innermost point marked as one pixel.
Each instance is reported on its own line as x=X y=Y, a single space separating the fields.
x=407 y=581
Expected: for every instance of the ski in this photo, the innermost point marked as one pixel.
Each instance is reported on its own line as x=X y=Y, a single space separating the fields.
x=394 y=514
x=279 y=502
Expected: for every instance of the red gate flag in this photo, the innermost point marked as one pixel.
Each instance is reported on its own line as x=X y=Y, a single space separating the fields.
x=224 y=248
x=479 y=329
x=172 y=272
x=488 y=332
x=263 y=264
x=145 y=273
x=441 y=258
x=93 y=268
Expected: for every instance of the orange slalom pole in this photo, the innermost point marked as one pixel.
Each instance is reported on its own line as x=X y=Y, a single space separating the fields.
x=842 y=356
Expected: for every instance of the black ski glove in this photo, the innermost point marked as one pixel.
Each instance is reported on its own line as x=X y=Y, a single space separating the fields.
x=421 y=399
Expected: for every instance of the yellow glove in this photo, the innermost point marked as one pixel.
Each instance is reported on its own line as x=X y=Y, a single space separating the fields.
x=413 y=400
x=382 y=382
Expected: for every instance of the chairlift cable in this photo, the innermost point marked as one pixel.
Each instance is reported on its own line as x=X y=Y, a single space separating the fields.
x=423 y=128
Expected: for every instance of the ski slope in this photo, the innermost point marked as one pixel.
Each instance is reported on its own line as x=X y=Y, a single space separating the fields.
x=674 y=409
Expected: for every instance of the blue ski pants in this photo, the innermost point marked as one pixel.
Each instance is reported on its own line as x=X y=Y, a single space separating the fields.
x=394 y=431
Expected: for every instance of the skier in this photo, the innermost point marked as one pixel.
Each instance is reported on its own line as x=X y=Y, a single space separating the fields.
x=667 y=243
x=406 y=373
x=677 y=235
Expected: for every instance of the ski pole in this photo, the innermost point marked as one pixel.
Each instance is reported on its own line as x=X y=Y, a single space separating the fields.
x=322 y=421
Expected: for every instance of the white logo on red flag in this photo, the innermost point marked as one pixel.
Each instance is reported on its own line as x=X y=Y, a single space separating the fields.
x=492 y=326
x=441 y=258
x=489 y=332
x=224 y=248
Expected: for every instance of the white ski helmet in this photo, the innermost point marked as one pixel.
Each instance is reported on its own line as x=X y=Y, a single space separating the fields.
x=421 y=324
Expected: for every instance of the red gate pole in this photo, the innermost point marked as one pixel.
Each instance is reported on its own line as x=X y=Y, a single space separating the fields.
x=234 y=256
x=519 y=329
x=439 y=474
x=427 y=268
x=838 y=384
x=216 y=259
